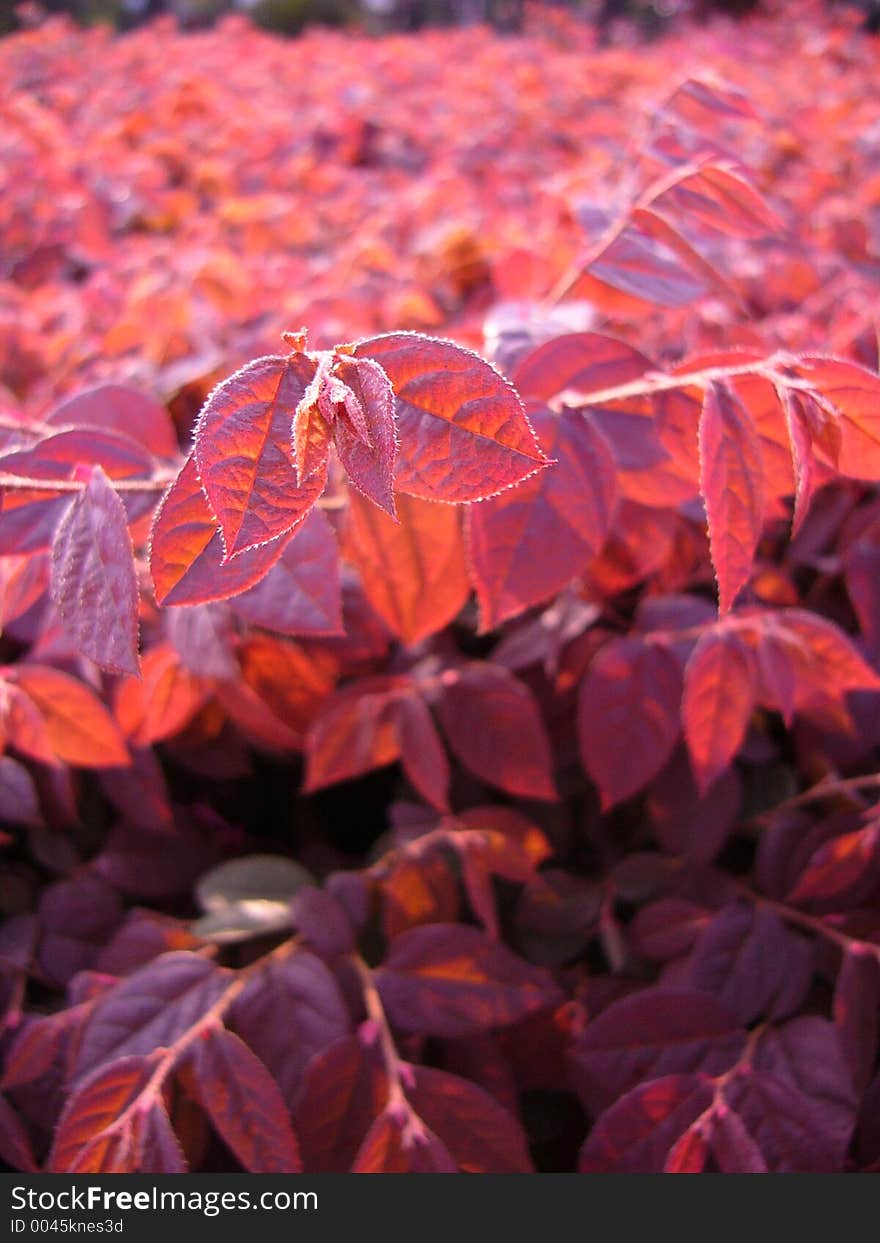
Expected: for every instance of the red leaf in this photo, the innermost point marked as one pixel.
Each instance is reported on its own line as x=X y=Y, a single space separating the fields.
x=244 y=1103
x=413 y=571
x=163 y=702
x=30 y=515
x=635 y=1135
x=463 y=433
x=118 y=408
x=493 y=725
x=291 y=680
x=94 y=585
x=641 y=262
x=653 y=1033
x=187 y=560
x=805 y=475
x=373 y=723
x=78 y=727
x=481 y=1135
x=732 y=484
x=632 y=690
x=301 y=594
x=717 y=194
x=450 y=980
x=529 y=543
x=346 y=1087
x=421 y=751
x=804 y=659
x=244 y=455
x=718 y=700
x=399 y=1143
x=96 y=1133
x=853 y=394
x=368 y=453
x=355 y=732
x=836 y=866
x=584 y=362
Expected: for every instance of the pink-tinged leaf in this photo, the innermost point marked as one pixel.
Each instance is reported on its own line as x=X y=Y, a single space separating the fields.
x=803 y=465
x=413 y=570
x=632 y=690
x=493 y=725
x=752 y=962
x=653 y=1033
x=96 y=1132
x=451 y=979
x=19 y=803
x=15 y=1143
x=94 y=585
x=62 y=454
x=640 y=1129
x=529 y=543
x=42 y=1043
x=118 y=408
x=187 y=560
x=149 y=1009
x=421 y=751
x=838 y=865
x=398 y=1142
x=852 y=395
x=162 y=702
x=803 y=659
x=650 y=261
x=302 y=593
x=78 y=727
x=368 y=452
x=583 y=362
x=346 y=1087
x=203 y=636
x=481 y=1135
x=719 y=694
x=464 y=435
x=244 y=1103
x=717 y=194
x=857 y=1015
x=244 y=454
x=733 y=488
x=288 y=1012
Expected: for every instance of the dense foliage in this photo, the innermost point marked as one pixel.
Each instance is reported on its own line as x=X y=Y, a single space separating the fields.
x=439 y=548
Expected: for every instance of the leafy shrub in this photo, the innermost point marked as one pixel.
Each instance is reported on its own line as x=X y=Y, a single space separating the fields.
x=443 y=763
